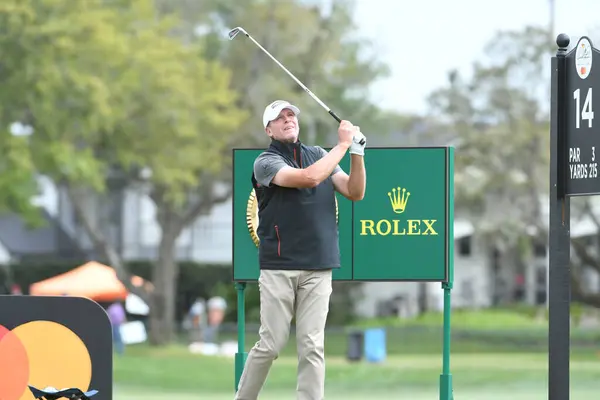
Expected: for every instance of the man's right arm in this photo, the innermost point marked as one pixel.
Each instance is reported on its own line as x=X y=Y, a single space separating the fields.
x=312 y=175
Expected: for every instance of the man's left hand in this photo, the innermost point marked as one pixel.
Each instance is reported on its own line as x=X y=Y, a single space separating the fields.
x=356 y=147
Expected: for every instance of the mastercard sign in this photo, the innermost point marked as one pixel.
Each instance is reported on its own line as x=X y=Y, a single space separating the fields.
x=61 y=342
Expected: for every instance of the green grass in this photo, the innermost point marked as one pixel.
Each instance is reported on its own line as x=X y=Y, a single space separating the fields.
x=476 y=376
x=465 y=319
x=497 y=319
x=428 y=340
x=495 y=354
x=497 y=393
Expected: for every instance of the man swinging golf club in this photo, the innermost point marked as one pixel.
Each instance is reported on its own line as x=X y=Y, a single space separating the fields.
x=295 y=186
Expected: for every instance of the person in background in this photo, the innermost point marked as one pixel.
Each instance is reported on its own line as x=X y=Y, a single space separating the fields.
x=116 y=314
x=216 y=312
x=15 y=289
x=197 y=316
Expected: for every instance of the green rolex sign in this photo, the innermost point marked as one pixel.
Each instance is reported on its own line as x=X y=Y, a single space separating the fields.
x=400 y=231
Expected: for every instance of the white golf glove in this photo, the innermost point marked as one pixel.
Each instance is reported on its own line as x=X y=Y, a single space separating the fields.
x=356 y=147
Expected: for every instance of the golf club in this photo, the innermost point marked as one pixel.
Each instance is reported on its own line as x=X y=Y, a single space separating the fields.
x=235 y=31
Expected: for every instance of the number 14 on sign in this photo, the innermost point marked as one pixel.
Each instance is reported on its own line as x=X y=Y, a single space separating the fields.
x=586 y=112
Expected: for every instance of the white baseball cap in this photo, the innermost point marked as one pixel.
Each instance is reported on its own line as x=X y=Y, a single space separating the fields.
x=272 y=110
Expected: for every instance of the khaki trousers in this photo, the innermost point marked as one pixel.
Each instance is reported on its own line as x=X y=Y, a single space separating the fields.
x=283 y=294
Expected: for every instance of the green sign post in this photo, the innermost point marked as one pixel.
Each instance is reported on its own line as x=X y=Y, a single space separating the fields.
x=402 y=231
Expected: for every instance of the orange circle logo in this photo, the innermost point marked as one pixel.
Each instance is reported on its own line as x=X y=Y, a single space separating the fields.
x=41 y=354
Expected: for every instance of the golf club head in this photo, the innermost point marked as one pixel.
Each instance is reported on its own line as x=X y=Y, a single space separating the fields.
x=234 y=32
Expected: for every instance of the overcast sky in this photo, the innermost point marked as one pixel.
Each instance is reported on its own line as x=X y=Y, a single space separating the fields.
x=451 y=34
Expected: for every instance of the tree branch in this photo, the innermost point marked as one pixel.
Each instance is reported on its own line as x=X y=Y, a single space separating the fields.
x=100 y=243
x=200 y=202
x=206 y=202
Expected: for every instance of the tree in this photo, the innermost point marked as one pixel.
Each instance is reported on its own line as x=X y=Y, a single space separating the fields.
x=258 y=80
x=109 y=90
x=317 y=42
x=17 y=178
x=129 y=89
x=501 y=124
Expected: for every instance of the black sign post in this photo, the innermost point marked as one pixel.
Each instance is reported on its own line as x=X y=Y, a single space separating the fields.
x=574 y=143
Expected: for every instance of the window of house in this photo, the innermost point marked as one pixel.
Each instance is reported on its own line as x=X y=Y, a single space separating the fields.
x=464 y=246
x=539 y=249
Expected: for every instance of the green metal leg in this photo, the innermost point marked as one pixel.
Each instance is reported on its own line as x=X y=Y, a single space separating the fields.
x=446 y=391
x=241 y=355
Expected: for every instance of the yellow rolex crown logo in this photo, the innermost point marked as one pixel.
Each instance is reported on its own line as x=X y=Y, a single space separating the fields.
x=398 y=198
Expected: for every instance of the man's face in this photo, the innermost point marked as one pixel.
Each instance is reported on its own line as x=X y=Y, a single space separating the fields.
x=285 y=127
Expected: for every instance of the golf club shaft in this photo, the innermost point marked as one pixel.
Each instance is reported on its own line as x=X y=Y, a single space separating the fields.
x=234 y=32
x=307 y=90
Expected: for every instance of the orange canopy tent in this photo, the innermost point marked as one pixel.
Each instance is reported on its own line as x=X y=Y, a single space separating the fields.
x=93 y=280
